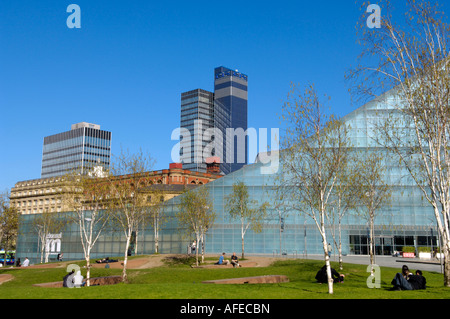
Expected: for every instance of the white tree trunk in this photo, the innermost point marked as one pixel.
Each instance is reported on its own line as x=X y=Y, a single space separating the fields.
x=328 y=265
x=156 y=226
x=88 y=268
x=197 y=248
x=125 y=259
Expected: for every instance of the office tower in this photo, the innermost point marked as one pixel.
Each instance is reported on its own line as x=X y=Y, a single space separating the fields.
x=77 y=150
x=224 y=111
x=230 y=113
x=197 y=115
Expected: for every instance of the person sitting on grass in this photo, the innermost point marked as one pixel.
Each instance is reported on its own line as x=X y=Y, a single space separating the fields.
x=401 y=280
x=68 y=279
x=26 y=263
x=234 y=261
x=322 y=277
x=222 y=260
x=418 y=281
x=408 y=281
x=78 y=280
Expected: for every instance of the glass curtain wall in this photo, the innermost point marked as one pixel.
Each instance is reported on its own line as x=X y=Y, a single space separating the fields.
x=406 y=221
x=197 y=115
x=75 y=150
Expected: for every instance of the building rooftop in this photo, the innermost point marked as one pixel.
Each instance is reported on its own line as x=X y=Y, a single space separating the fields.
x=85 y=124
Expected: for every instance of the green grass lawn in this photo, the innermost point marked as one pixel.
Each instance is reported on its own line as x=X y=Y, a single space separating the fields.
x=180 y=281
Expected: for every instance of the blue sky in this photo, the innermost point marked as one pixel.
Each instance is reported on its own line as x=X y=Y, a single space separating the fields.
x=128 y=64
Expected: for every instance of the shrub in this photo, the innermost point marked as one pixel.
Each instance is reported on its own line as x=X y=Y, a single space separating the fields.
x=408 y=249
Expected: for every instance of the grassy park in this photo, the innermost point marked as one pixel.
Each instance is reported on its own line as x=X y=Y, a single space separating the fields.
x=177 y=279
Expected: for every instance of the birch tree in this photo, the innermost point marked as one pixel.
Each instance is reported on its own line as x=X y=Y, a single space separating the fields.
x=248 y=212
x=9 y=224
x=45 y=224
x=127 y=200
x=411 y=58
x=373 y=192
x=313 y=151
x=86 y=196
x=345 y=197
x=280 y=208
x=196 y=215
x=157 y=216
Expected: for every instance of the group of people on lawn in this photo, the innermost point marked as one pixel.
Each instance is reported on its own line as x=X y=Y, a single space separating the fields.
x=234 y=260
x=405 y=280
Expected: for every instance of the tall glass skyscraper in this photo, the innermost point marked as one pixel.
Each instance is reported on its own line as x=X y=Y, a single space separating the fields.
x=197 y=115
x=230 y=116
x=224 y=111
x=84 y=146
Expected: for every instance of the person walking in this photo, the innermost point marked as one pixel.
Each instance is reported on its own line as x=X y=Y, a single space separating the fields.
x=330 y=249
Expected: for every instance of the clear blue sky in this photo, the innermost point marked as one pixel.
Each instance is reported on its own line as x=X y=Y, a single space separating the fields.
x=128 y=64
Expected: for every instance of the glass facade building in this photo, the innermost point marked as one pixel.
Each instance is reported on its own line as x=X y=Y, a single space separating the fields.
x=110 y=243
x=406 y=221
x=84 y=146
x=225 y=111
x=197 y=115
x=230 y=115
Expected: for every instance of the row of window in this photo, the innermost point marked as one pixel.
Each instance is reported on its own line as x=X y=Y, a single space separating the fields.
x=35 y=202
x=76 y=142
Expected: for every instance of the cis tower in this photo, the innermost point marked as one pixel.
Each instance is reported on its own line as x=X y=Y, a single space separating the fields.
x=226 y=110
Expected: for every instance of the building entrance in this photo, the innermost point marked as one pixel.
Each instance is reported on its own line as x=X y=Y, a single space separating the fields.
x=359 y=245
x=384 y=246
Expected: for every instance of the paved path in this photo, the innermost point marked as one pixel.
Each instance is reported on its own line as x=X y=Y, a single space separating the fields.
x=387 y=261
x=5 y=278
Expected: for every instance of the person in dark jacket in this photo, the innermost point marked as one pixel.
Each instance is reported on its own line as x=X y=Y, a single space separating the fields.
x=235 y=261
x=322 y=277
x=67 y=280
x=418 y=281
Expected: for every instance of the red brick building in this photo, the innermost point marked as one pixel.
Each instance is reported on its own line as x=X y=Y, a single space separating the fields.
x=41 y=195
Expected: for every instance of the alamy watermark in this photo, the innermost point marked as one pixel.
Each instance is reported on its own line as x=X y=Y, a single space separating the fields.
x=75 y=279
x=198 y=145
x=74 y=20
x=374 y=20
x=374 y=280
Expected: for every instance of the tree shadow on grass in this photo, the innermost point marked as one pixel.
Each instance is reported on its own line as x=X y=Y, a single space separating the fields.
x=181 y=260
